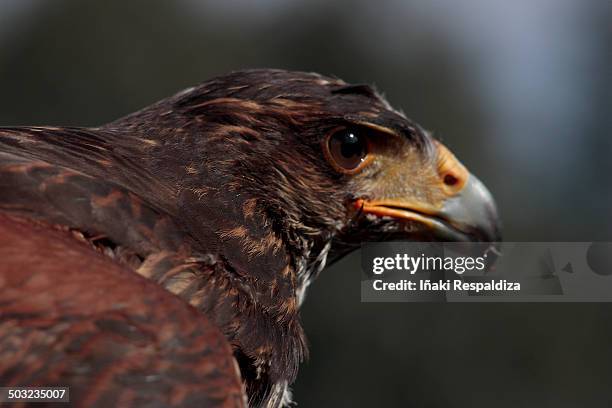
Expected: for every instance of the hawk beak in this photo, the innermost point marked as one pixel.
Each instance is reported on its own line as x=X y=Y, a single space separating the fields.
x=468 y=215
x=473 y=212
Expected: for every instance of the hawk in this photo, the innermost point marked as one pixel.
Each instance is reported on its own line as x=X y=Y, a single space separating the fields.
x=161 y=259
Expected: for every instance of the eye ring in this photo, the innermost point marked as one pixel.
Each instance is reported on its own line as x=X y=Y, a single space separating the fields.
x=348 y=150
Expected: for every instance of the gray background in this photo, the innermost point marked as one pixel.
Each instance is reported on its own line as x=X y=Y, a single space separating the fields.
x=520 y=91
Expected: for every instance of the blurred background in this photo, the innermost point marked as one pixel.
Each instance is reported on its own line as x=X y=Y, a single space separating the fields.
x=521 y=91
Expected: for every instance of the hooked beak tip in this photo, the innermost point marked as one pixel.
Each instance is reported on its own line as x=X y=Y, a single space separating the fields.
x=473 y=211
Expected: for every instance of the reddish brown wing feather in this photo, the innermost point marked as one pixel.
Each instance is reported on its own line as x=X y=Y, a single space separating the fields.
x=72 y=317
x=103 y=155
x=85 y=179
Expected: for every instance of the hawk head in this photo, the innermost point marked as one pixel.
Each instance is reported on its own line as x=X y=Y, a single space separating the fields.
x=265 y=161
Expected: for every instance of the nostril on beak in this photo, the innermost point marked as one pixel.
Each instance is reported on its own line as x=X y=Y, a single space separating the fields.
x=453 y=175
x=450 y=180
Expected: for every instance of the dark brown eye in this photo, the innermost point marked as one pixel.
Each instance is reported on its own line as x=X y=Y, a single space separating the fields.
x=348 y=149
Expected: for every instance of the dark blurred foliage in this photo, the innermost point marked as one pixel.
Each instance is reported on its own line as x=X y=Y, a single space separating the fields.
x=546 y=160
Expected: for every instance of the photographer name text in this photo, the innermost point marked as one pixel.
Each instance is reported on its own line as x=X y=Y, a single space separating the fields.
x=446 y=285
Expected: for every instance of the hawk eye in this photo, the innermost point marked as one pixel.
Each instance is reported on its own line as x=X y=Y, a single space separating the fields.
x=347 y=150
